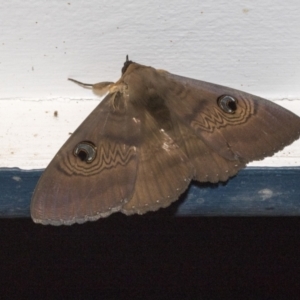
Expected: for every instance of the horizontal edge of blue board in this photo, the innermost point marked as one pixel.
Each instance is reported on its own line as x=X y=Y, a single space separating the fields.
x=252 y=192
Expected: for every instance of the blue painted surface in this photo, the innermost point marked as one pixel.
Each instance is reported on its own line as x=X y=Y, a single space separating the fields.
x=253 y=192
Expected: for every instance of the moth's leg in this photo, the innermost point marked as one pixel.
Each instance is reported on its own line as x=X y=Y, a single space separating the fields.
x=100 y=88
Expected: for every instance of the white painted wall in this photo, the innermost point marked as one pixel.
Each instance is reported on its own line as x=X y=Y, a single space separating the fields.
x=248 y=45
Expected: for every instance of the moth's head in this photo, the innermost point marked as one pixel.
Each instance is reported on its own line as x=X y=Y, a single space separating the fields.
x=127 y=63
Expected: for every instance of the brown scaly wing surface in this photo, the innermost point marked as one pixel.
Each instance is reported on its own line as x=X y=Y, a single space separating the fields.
x=208 y=165
x=164 y=170
x=74 y=190
x=236 y=126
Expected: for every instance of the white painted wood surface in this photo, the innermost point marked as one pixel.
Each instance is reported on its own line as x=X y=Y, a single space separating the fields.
x=249 y=45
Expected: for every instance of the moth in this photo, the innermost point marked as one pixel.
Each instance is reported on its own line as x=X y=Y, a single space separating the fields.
x=152 y=134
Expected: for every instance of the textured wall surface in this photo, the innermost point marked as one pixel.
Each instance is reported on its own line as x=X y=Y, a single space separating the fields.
x=248 y=45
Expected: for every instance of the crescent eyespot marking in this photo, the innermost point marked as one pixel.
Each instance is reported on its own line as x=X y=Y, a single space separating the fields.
x=86 y=151
x=227 y=103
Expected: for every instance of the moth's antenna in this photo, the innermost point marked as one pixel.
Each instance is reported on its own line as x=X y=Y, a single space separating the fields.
x=81 y=83
x=127 y=57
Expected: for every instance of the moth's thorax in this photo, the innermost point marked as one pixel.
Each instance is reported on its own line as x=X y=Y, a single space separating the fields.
x=139 y=83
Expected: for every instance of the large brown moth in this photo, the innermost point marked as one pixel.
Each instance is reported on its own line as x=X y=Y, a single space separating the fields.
x=152 y=134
